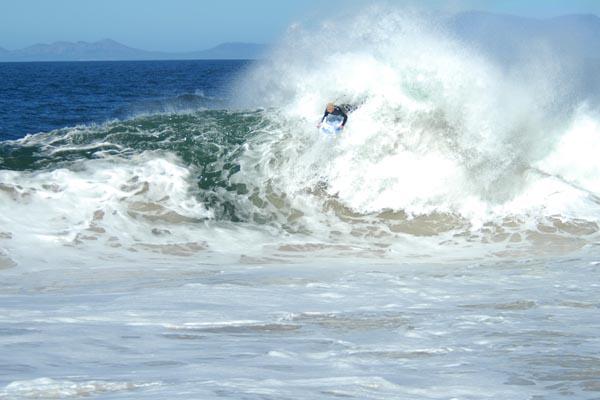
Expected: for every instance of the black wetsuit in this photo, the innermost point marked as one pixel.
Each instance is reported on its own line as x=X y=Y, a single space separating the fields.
x=336 y=111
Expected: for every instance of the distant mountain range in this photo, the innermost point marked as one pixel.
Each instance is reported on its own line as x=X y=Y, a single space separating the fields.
x=509 y=37
x=505 y=37
x=107 y=49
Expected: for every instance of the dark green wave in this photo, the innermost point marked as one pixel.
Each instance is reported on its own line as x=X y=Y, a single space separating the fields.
x=210 y=142
x=198 y=139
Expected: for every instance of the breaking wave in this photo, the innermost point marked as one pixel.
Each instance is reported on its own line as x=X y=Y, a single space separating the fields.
x=443 y=150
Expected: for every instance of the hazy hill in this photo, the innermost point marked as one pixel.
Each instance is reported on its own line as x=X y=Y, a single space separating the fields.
x=108 y=49
x=507 y=36
x=102 y=50
x=231 y=50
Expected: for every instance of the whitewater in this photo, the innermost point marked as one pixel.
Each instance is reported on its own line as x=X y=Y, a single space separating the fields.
x=444 y=246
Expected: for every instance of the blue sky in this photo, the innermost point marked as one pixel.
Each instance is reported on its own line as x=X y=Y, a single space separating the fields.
x=186 y=25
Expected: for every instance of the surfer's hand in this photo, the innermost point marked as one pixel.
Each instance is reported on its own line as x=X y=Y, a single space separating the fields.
x=319 y=125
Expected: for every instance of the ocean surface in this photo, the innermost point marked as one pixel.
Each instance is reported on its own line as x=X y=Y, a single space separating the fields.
x=44 y=96
x=180 y=229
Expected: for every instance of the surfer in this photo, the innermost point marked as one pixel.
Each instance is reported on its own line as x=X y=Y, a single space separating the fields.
x=334 y=110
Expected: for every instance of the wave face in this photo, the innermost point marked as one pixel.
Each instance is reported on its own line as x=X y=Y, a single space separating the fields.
x=443 y=150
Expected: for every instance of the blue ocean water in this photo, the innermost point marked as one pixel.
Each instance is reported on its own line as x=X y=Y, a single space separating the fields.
x=43 y=96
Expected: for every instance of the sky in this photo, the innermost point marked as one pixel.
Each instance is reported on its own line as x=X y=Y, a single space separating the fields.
x=188 y=25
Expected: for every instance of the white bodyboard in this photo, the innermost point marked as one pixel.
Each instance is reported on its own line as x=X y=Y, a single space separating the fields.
x=332 y=125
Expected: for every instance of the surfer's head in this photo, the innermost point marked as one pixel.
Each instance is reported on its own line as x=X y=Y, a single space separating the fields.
x=330 y=107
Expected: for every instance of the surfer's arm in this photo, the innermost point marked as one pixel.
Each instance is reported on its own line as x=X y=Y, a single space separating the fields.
x=345 y=118
x=322 y=119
